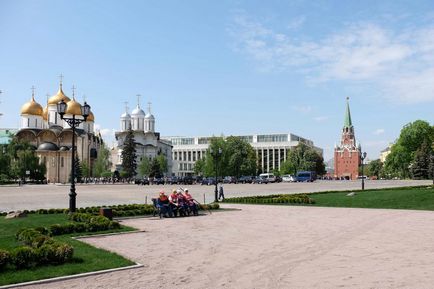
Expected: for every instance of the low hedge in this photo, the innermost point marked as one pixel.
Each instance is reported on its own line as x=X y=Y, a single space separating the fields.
x=38 y=249
x=273 y=199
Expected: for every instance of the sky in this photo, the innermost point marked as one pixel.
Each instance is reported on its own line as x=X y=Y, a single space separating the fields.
x=227 y=67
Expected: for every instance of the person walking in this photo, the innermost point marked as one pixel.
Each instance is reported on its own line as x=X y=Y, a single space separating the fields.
x=221 y=193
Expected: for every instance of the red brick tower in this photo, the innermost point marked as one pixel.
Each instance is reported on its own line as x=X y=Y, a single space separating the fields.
x=347 y=154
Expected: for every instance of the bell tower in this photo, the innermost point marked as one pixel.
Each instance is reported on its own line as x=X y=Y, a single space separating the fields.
x=347 y=153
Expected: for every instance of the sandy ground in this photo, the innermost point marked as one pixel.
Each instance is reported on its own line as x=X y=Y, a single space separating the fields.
x=274 y=247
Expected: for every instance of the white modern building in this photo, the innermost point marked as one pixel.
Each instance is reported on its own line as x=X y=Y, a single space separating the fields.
x=271 y=150
x=148 y=142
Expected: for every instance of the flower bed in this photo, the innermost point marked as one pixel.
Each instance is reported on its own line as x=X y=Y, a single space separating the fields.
x=273 y=199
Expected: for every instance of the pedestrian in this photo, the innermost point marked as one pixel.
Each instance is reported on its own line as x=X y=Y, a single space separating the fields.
x=221 y=194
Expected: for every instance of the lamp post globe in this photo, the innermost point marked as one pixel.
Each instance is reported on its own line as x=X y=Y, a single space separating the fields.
x=363 y=157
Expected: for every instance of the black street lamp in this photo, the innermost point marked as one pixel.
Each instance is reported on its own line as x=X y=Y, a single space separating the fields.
x=362 y=158
x=216 y=155
x=72 y=110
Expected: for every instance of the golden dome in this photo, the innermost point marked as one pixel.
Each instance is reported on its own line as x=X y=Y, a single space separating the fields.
x=58 y=97
x=45 y=113
x=31 y=107
x=91 y=117
x=73 y=107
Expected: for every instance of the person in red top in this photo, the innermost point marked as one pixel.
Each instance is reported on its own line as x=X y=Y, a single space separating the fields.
x=164 y=205
x=173 y=201
x=190 y=202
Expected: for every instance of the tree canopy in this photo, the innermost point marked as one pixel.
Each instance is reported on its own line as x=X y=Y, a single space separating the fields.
x=129 y=164
x=303 y=158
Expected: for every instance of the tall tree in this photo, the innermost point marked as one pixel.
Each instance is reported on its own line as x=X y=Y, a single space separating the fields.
x=374 y=168
x=162 y=162
x=129 y=164
x=303 y=158
x=102 y=162
x=241 y=158
x=155 y=170
x=402 y=154
x=144 y=166
x=23 y=161
x=199 y=167
x=420 y=165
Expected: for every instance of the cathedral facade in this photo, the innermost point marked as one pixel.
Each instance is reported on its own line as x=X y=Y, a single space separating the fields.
x=52 y=137
x=148 y=142
x=347 y=153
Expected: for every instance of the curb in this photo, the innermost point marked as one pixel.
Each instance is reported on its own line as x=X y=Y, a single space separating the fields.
x=105 y=235
x=63 y=278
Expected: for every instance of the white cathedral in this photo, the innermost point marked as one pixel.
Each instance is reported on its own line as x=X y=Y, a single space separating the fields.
x=148 y=142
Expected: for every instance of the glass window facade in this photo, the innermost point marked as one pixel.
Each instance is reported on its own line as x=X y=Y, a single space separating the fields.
x=183 y=141
x=272 y=138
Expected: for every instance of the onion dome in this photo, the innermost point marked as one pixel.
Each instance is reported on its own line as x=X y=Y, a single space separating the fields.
x=48 y=146
x=58 y=97
x=126 y=115
x=45 y=113
x=137 y=112
x=31 y=108
x=149 y=116
x=91 y=117
x=73 y=107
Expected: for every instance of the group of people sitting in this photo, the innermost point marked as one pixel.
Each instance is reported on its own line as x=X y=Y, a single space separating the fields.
x=178 y=203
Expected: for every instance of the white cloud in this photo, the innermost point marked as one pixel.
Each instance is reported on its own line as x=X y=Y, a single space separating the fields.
x=297 y=22
x=105 y=132
x=379 y=131
x=302 y=108
x=321 y=118
x=399 y=62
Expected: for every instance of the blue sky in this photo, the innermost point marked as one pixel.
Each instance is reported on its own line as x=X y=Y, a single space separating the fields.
x=228 y=67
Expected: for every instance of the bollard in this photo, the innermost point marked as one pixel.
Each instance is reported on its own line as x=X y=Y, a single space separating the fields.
x=106 y=212
x=146 y=200
x=204 y=199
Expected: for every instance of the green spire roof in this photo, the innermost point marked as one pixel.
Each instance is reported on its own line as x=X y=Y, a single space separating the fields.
x=347 y=120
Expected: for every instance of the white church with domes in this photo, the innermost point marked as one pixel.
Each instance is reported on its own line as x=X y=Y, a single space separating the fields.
x=52 y=137
x=148 y=142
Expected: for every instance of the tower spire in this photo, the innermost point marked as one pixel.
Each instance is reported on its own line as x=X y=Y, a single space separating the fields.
x=138 y=100
x=149 y=107
x=33 y=92
x=347 y=120
x=73 y=92
x=61 y=80
x=126 y=106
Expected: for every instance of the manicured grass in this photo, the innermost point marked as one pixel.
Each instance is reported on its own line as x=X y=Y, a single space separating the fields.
x=418 y=198
x=86 y=258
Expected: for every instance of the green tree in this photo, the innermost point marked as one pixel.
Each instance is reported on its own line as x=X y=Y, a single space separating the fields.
x=215 y=162
x=421 y=163
x=85 y=170
x=144 y=167
x=155 y=170
x=162 y=162
x=402 y=154
x=303 y=158
x=5 y=161
x=102 y=162
x=374 y=168
x=23 y=160
x=199 y=167
x=129 y=164
x=240 y=157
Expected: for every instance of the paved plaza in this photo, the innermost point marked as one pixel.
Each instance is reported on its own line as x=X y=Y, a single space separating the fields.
x=272 y=247
x=56 y=196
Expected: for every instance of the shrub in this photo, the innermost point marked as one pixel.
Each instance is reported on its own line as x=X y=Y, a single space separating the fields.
x=40 y=241
x=27 y=236
x=5 y=258
x=24 y=257
x=56 y=229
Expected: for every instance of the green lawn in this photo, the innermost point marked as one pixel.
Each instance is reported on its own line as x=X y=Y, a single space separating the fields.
x=421 y=198
x=86 y=258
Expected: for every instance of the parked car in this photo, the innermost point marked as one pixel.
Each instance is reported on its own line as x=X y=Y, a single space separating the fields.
x=260 y=180
x=143 y=181
x=158 y=181
x=245 y=179
x=208 y=181
x=173 y=180
x=230 y=180
x=187 y=180
x=278 y=179
x=269 y=176
x=307 y=176
x=289 y=178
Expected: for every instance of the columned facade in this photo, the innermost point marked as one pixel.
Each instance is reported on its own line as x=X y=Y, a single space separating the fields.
x=271 y=150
